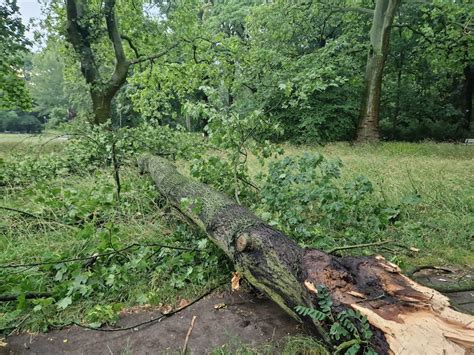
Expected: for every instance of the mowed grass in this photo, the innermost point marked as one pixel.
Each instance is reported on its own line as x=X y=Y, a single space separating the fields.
x=46 y=142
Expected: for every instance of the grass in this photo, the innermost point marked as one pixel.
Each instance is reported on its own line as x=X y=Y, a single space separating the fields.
x=79 y=216
x=286 y=346
x=440 y=225
x=46 y=142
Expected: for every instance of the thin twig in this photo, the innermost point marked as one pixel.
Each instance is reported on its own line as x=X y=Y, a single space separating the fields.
x=185 y=347
x=153 y=56
x=32 y=215
x=19 y=324
x=28 y=295
x=332 y=251
x=429 y=267
x=116 y=166
x=95 y=256
x=153 y=320
x=25 y=213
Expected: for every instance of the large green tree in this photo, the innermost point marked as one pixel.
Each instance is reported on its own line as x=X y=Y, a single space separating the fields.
x=46 y=80
x=13 y=47
x=91 y=43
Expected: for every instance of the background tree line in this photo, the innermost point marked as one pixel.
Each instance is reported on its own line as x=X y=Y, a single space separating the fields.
x=294 y=69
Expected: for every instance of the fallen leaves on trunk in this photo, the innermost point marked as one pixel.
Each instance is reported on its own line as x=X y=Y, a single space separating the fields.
x=236 y=281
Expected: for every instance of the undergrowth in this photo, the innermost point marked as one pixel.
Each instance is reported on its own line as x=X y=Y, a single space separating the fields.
x=91 y=249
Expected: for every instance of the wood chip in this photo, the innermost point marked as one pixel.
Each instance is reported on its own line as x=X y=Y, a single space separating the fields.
x=235 y=281
x=220 y=306
x=310 y=286
x=357 y=294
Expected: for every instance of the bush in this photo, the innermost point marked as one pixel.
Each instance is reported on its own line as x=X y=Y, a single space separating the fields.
x=24 y=122
x=301 y=195
x=57 y=116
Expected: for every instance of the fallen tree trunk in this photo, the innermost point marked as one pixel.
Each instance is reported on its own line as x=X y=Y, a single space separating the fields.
x=407 y=318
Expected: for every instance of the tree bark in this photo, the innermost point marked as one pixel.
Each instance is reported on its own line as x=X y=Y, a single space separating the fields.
x=407 y=317
x=384 y=13
x=78 y=34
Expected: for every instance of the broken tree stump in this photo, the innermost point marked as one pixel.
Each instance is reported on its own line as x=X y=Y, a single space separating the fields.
x=407 y=318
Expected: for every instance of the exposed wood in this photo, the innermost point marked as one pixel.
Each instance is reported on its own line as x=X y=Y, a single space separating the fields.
x=188 y=334
x=407 y=317
x=355 y=246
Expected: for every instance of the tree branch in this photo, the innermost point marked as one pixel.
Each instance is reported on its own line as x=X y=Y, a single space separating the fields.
x=78 y=36
x=121 y=63
x=153 y=56
x=414 y=30
x=28 y=295
x=346 y=247
x=131 y=45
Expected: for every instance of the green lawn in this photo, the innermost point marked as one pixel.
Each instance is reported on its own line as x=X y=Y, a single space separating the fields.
x=11 y=143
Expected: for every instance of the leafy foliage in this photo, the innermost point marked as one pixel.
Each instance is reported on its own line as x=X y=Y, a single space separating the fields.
x=241 y=75
x=13 y=47
x=349 y=331
x=19 y=121
x=108 y=253
x=92 y=147
x=302 y=196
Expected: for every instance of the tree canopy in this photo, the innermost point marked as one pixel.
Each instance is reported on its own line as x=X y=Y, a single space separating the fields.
x=292 y=69
x=13 y=46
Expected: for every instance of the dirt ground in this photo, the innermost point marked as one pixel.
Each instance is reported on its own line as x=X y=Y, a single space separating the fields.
x=245 y=319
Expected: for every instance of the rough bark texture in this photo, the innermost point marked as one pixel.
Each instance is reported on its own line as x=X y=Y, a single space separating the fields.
x=407 y=317
x=384 y=14
x=78 y=34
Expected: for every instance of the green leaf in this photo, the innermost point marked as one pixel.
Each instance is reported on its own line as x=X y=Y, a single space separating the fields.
x=64 y=303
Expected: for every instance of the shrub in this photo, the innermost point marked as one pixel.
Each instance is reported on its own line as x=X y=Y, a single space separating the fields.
x=57 y=116
x=303 y=197
x=12 y=121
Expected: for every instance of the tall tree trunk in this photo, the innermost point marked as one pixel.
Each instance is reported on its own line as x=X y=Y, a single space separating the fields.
x=78 y=34
x=407 y=317
x=101 y=106
x=384 y=13
x=400 y=63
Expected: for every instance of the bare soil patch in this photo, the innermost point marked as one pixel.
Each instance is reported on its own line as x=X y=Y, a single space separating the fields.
x=245 y=318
